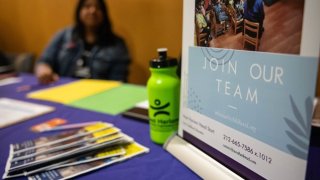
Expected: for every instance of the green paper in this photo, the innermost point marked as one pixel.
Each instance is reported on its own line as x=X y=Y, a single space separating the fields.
x=113 y=101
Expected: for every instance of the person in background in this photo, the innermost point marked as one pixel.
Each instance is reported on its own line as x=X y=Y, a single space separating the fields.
x=207 y=4
x=231 y=3
x=239 y=6
x=220 y=12
x=254 y=11
x=201 y=8
x=89 y=49
x=202 y=21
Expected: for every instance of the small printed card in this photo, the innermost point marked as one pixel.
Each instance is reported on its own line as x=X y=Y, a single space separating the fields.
x=50 y=124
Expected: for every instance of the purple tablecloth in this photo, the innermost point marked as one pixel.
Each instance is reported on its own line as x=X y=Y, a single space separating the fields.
x=157 y=164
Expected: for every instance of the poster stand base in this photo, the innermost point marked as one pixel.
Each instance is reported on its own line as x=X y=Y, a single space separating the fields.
x=197 y=161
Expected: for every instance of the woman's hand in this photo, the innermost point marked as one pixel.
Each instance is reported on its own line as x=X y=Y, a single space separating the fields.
x=45 y=74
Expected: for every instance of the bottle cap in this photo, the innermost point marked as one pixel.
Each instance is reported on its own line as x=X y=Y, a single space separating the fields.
x=162 y=52
x=156 y=63
x=162 y=60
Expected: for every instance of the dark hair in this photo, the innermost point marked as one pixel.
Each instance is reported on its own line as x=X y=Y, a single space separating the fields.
x=198 y=2
x=251 y=4
x=105 y=35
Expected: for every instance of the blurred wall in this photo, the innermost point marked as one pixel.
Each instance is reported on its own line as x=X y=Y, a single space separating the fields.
x=28 y=25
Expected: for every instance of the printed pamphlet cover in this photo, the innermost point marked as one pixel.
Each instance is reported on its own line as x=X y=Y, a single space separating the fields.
x=47 y=150
x=92 y=147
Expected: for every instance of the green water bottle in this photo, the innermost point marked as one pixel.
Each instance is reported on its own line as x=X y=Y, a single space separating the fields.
x=163 y=94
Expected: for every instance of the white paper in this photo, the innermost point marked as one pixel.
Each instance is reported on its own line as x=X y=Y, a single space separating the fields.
x=13 y=111
x=11 y=80
x=143 y=104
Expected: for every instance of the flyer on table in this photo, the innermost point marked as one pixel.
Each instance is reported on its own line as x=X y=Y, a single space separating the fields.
x=252 y=102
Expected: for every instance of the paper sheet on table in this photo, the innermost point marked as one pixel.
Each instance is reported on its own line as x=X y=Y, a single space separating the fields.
x=10 y=80
x=73 y=91
x=113 y=101
x=14 y=111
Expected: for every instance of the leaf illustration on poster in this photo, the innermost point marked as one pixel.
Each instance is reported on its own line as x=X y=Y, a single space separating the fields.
x=299 y=132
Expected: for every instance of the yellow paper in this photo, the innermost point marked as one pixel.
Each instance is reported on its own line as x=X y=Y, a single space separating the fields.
x=134 y=148
x=106 y=132
x=109 y=138
x=73 y=91
x=113 y=151
x=98 y=126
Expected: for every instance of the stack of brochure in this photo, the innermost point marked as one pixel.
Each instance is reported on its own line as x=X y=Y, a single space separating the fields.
x=72 y=153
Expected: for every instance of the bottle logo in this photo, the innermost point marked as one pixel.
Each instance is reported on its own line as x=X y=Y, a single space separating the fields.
x=160 y=109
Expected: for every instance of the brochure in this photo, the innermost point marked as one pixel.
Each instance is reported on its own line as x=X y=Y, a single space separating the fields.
x=75 y=142
x=103 y=154
x=61 y=137
x=16 y=167
x=80 y=151
x=50 y=124
x=132 y=150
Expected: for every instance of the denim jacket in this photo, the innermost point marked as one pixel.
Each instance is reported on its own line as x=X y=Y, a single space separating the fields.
x=111 y=62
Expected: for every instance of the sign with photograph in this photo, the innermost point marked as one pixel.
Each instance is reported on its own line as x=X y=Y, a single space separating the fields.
x=247 y=92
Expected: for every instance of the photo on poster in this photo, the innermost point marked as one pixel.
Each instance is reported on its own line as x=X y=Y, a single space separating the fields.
x=262 y=25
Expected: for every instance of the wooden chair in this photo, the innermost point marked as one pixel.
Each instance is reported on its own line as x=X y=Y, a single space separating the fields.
x=251 y=33
x=22 y=62
x=201 y=37
x=215 y=25
x=236 y=23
